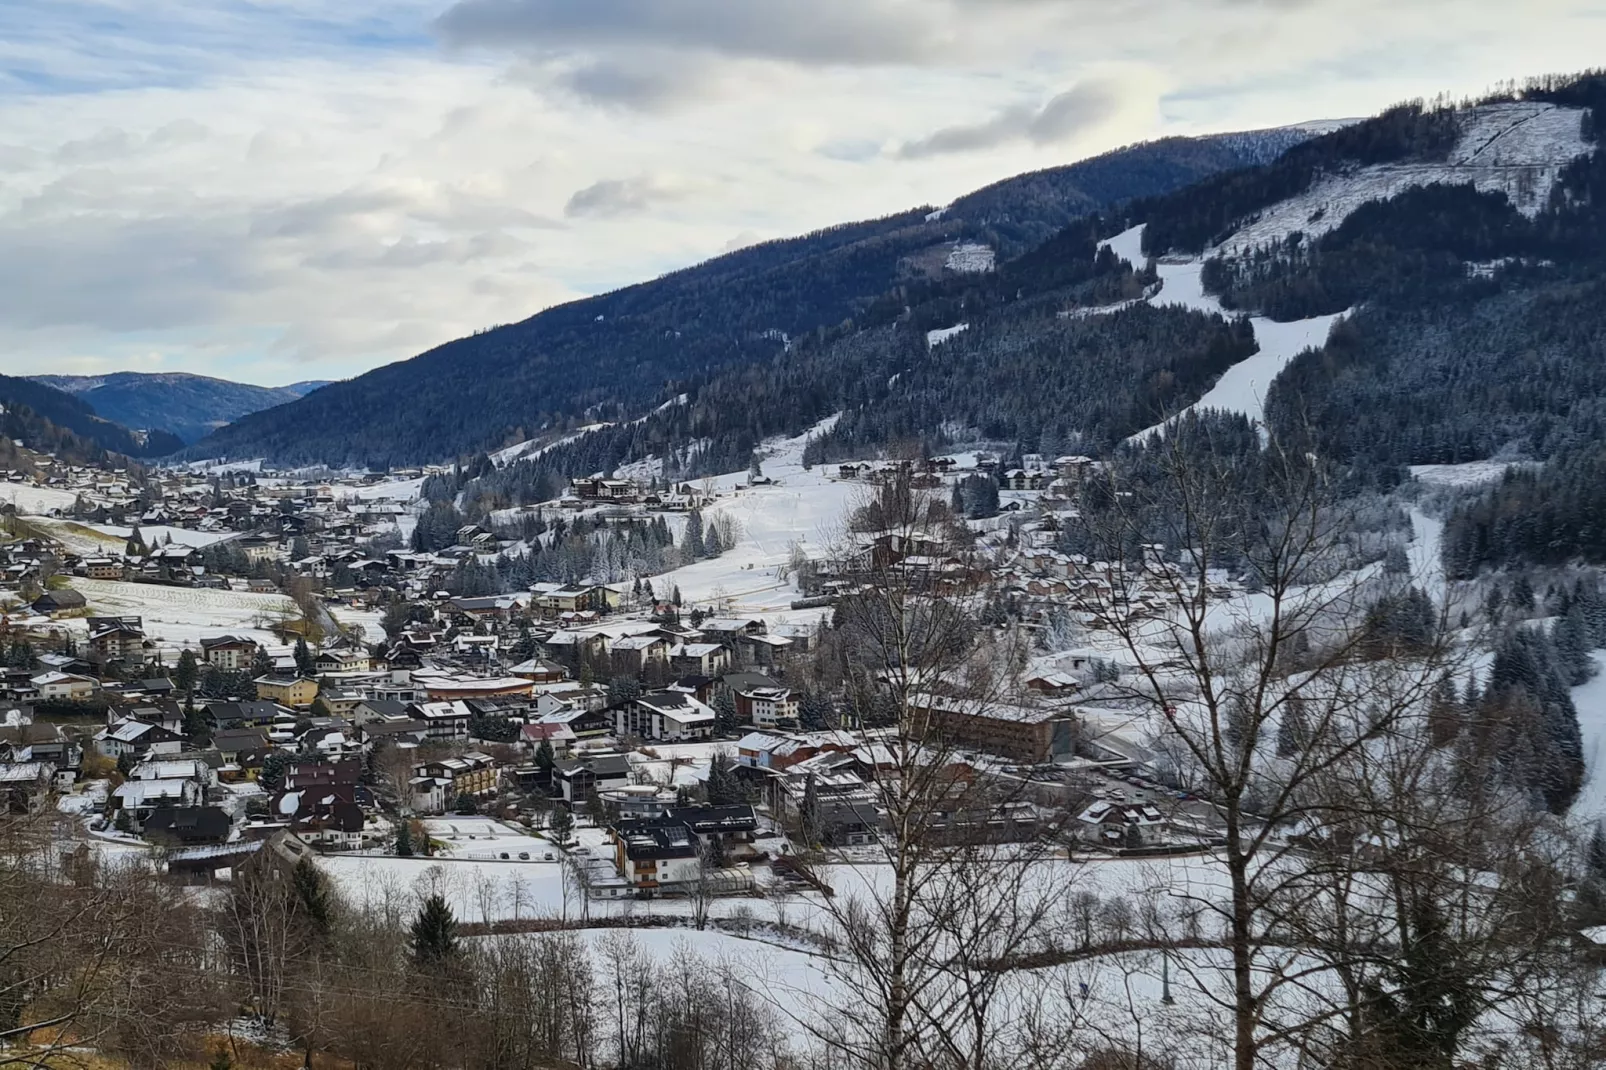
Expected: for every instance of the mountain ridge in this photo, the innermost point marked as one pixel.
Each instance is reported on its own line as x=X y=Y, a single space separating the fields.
x=604 y=357
x=187 y=405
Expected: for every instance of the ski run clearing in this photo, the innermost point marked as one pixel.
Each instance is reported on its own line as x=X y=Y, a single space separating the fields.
x=1242 y=387
x=1517 y=149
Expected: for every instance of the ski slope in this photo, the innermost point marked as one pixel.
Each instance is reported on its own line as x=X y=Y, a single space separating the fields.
x=1242 y=387
x=806 y=509
x=1518 y=149
x=1590 y=700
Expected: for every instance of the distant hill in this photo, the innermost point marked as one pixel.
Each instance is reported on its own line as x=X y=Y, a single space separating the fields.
x=188 y=406
x=605 y=357
x=59 y=411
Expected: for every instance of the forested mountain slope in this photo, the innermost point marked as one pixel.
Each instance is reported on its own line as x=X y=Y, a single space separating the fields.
x=1056 y=355
x=607 y=357
x=189 y=406
x=65 y=413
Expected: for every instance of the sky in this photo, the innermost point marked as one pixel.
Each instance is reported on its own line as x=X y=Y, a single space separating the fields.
x=281 y=190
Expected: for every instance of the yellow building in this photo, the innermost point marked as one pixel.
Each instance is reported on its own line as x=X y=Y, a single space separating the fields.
x=287 y=690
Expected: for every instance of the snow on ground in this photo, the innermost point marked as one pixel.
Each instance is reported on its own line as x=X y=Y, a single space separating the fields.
x=970 y=258
x=1106 y=310
x=31 y=499
x=367 y=619
x=806 y=509
x=159 y=535
x=1517 y=149
x=476 y=890
x=79 y=538
x=486 y=839
x=1242 y=387
x=942 y=334
x=1590 y=699
x=531 y=449
x=180 y=616
x=1468 y=474
x=396 y=490
x=793 y=982
x=1427 y=570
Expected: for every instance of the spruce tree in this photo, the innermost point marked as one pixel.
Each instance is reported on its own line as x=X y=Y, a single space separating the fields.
x=721 y=787
x=305 y=664
x=312 y=894
x=726 y=719
x=562 y=825
x=404 y=839
x=187 y=672
x=434 y=935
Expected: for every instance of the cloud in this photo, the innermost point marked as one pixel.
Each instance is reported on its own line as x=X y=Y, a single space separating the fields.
x=260 y=187
x=853 y=32
x=646 y=84
x=613 y=198
x=1076 y=111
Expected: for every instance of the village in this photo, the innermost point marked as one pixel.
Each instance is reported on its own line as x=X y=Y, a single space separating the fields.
x=654 y=744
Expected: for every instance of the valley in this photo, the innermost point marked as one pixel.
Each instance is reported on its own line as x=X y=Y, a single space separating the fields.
x=1145 y=614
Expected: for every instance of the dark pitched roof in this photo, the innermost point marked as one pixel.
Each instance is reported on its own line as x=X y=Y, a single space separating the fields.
x=190 y=824
x=705 y=820
x=385 y=707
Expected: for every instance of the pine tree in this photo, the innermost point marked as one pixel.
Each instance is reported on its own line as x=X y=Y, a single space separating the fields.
x=1293 y=729
x=725 y=717
x=1444 y=713
x=691 y=542
x=562 y=825
x=271 y=775
x=721 y=787
x=187 y=672
x=312 y=894
x=404 y=839
x=305 y=664
x=434 y=934
x=815 y=712
x=544 y=758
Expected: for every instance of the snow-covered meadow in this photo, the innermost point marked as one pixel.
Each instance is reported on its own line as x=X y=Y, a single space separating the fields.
x=179 y=616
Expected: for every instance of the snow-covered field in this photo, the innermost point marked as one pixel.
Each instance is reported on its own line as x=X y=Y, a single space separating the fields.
x=160 y=535
x=31 y=499
x=396 y=490
x=942 y=334
x=85 y=538
x=180 y=616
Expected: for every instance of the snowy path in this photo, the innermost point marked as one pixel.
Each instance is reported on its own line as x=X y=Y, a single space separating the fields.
x=1426 y=569
x=1590 y=699
x=1241 y=388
